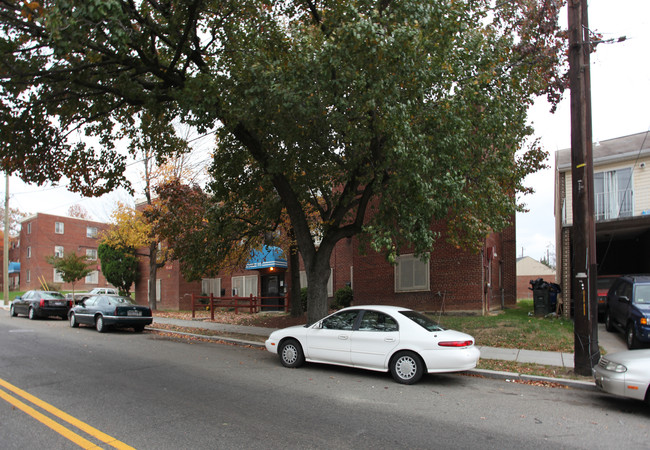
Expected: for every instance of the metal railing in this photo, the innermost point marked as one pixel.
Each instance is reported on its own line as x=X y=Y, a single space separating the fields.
x=609 y=206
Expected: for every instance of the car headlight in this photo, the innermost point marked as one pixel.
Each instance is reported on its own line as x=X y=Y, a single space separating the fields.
x=612 y=366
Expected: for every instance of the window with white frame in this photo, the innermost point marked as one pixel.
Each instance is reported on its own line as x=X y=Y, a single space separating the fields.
x=244 y=286
x=330 y=282
x=58 y=227
x=58 y=251
x=91 y=232
x=92 y=277
x=29 y=228
x=58 y=277
x=211 y=286
x=28 y=276
x=613 y=194
x=91 y=254
x=29 y=252
x=411 y=274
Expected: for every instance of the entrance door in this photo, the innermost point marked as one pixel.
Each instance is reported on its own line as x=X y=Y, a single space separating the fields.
x=272 y=292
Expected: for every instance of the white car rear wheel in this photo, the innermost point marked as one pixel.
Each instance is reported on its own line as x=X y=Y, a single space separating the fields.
x=406 y=367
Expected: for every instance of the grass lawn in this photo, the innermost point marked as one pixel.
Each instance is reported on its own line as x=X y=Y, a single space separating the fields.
x=515 y=328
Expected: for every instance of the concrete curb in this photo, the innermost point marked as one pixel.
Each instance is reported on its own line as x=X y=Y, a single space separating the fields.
x=493 y=374
x=511 y=376
x=213 y=338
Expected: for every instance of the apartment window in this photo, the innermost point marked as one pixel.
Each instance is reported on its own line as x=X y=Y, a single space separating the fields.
x=411 y=274
x=91 y=254
x=58 y=277
x=28 y=276
x=330 y=282
x=244 y=286
x=613 y=195
x=58 y=251
x=29 y=252
x=91 y=232
x=58 y=227
x=211 y=286
x=29 y=228
x=92 y=277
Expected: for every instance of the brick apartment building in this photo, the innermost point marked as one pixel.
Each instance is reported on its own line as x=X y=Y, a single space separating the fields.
x=452 y=279
x=44 y=235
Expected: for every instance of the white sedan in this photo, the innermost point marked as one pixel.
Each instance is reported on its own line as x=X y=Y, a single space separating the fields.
x=381 y=338
x=626 y=374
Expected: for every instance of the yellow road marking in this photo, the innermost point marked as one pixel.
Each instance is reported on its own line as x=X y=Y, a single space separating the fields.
x=63 y=431
x=61 y=415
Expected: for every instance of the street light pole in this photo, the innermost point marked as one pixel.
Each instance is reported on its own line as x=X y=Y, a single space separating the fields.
x=583 y=239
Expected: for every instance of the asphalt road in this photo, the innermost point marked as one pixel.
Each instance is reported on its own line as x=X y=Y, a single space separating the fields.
x=150 y=392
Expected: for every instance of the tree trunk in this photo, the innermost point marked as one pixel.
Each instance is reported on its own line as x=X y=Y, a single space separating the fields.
x=153 y=269
x=318 y=274
x=294 y=263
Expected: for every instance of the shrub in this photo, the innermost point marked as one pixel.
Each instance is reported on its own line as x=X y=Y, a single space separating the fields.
x=303 y=298
x=343 y=298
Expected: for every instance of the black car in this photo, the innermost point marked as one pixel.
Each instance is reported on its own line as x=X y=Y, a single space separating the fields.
x=628 y=309
x=35 y=304
x=104 y=311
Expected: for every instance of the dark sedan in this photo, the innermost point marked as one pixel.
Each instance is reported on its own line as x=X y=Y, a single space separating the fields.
x=35 y=304
x=105 y=311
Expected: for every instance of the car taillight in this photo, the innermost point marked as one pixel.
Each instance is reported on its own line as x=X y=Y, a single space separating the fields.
x=644 y=321
x=455 y=343
x=42 y=303
x=70 y=304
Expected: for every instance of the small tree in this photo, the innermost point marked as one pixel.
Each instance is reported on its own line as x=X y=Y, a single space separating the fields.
x=72 y=267
x=119 y=266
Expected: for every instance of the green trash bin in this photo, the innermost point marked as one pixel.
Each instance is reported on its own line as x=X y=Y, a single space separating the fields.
x=541 y=303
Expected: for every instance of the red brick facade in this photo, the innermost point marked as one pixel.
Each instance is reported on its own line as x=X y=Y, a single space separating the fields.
x=40 y=236
x=459 y=280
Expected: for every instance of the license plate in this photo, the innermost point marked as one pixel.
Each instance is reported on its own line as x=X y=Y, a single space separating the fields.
x=134 y=313
x=57 y=303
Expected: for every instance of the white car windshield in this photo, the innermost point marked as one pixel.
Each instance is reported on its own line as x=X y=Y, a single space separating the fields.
x=422 y=320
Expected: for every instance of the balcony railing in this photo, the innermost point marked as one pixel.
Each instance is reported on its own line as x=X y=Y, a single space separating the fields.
x=614 y=205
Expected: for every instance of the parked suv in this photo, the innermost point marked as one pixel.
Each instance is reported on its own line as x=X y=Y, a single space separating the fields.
x=628 y=308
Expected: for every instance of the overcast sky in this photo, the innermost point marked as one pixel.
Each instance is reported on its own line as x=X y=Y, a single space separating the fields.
x=620 y=78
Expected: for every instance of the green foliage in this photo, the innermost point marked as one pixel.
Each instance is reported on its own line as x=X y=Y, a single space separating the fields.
x=119 y=266
x=343 y=298
x=303 y=298
x=71 y=266
x=374 y=118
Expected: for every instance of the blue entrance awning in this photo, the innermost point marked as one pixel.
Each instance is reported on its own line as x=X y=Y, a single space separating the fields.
x=266 y=258
x=14 y=267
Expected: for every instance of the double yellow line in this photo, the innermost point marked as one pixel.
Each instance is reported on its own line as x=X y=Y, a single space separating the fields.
x=63 y=431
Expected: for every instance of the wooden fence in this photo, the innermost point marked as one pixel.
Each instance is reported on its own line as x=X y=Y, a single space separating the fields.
x=252 y=304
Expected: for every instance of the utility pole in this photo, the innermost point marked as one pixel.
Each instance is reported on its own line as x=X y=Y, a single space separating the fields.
x=5 y=256
x=583 y=263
